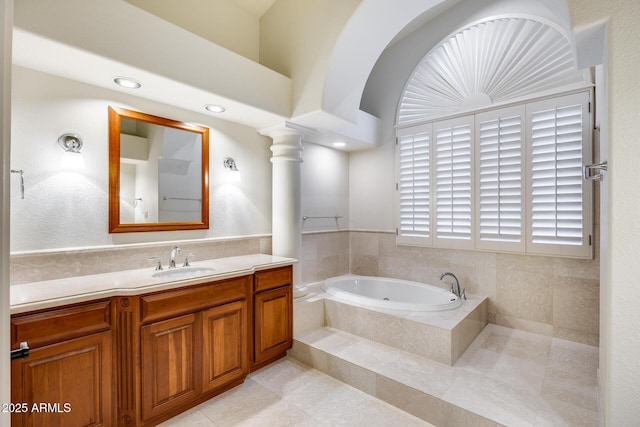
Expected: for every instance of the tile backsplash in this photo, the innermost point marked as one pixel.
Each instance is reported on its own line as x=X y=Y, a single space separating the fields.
x=32 y=267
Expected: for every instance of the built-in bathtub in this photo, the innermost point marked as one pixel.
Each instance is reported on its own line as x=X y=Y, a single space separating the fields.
x=440 y=327
x=391 y=294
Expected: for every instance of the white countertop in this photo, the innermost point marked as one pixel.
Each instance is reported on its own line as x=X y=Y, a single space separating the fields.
x=53 y=293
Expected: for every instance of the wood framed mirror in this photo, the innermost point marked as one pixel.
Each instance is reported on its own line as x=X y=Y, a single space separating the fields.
x=158 y=173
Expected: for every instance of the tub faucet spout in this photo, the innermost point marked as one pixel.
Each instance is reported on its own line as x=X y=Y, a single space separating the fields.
x=455 y=287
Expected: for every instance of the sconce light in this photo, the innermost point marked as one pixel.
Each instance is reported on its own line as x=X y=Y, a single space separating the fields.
x=72 y=158
x=233 y=174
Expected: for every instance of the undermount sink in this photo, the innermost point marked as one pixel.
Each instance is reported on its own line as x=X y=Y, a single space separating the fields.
x=183 y=272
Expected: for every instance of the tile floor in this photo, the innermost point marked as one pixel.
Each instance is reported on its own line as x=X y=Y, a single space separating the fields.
x=512 y=377
x=289 y=393
x=528 y=379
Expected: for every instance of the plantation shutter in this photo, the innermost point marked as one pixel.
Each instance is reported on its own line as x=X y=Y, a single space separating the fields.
x=499 y=180
x=453 y=141
x=414 y=186
x=506 y=180
x=560 y=144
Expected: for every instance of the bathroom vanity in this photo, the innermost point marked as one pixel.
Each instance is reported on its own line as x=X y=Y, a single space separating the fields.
x=138 y=354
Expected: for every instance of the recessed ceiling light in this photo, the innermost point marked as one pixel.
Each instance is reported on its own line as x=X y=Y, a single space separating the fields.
x=214 y=108
x=127 y=82
x=339 y=144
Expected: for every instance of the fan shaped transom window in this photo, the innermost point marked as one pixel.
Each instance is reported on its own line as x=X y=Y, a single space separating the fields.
x=491 y=62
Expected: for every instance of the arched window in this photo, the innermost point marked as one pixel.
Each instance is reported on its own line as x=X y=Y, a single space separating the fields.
x=493 y=130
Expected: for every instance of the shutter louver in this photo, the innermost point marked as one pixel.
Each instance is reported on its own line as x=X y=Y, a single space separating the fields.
x=556 y=176
x=414 y=185
x=500 y=179
x=453 y=181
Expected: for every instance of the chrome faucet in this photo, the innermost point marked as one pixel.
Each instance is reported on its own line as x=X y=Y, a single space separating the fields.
x=172 y=260
x=455 y=287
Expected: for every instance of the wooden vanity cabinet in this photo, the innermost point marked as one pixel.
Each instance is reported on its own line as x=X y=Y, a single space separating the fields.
x=67 y=377
x=193 y=344
x=133 y=361
x=272 y=315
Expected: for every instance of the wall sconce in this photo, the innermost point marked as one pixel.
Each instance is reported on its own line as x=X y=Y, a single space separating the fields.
x=233 y=174
x=72 y=158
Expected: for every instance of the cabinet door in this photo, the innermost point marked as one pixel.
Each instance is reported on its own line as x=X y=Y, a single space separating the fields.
x=225 y=354
x=168 y=361
x=64 y=384
x=273 y=323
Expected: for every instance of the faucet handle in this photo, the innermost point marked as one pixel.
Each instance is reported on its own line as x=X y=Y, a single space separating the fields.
x=157 y=260
x=186 y=259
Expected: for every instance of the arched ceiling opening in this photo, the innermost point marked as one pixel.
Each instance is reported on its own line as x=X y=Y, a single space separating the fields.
x=493 y=61
x=376 y=26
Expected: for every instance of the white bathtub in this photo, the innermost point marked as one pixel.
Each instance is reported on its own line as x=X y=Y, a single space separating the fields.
x=393 y=294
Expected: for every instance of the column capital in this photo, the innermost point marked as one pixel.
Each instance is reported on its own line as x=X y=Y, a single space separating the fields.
x=287 y=141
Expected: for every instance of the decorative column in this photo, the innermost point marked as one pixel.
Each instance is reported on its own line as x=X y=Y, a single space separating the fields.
x=286 y=197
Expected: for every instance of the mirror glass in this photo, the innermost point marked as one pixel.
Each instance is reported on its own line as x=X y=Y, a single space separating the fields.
x=158 y=173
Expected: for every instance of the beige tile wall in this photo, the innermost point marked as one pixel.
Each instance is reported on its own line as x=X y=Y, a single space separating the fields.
x=552 y=296
x=546 y=295
x=34 y=267
x=324 y=255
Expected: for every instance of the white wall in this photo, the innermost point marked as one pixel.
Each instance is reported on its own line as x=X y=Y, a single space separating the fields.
x=297 y=38
x=69 y=209
x=222 y=22
x=6 y=17
x=619 y=368
x=325 y=188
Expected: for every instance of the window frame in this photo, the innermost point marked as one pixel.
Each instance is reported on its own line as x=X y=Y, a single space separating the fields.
x=525 y=245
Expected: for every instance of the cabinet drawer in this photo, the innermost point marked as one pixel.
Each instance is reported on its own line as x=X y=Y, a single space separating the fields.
x=271 y=279
x=60 y=325
x=173 y=303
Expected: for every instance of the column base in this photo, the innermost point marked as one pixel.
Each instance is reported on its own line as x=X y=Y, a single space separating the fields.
x=300 y=291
